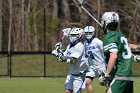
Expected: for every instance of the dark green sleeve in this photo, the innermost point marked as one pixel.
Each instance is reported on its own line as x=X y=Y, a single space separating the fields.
x=110 y=42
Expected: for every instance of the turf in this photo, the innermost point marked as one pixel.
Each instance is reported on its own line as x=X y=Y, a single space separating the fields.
x=32 y=65
x=46 y=85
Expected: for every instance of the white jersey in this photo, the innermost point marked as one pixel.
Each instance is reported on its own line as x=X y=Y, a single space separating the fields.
x=77 y=52
x=94 y=53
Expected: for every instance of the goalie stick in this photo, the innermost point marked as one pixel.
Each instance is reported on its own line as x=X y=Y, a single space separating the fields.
x=80 y=3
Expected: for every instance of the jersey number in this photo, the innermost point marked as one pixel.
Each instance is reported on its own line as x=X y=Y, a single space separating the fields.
x=90 y=54
x=127 y=53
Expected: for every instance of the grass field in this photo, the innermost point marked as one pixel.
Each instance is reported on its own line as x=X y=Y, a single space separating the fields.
x=46 y=85
x=32 y=65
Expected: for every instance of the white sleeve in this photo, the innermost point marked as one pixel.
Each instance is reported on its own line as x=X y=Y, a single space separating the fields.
x=99 y=43
x=78 y=51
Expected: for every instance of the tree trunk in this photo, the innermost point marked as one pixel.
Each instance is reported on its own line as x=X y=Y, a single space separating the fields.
x=22 y=35
x=10 y=26
x=27 y=30
x=35 y=31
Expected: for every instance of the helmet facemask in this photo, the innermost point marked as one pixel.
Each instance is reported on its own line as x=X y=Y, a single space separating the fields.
x=89 y=32
x=89 y=35
x=75 y=35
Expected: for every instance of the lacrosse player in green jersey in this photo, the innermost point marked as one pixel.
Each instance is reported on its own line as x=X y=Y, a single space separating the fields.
x=118 y=74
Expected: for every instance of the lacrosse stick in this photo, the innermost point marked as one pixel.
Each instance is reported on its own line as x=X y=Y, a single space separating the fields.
x=65 y=34
x=132 y=54
x=136 y=58
x=80 y=3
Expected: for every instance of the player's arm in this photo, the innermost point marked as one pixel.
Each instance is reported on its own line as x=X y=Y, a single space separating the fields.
x=112 y=61
x=104 y=78
x=134 y=46
x=60 y=56
x=74 y=56
x=68 y=59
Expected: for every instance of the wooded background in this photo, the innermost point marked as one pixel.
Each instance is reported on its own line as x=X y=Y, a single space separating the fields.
x=22 y=21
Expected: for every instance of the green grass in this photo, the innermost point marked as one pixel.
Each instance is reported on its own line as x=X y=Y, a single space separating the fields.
x=46 y=85
x=32 y=65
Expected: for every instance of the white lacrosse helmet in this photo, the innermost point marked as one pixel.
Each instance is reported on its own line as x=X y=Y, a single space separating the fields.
x=75 y=34
x=89 y=32
x=109 y=17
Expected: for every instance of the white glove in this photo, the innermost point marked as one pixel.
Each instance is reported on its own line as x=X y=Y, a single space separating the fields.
x=104 y=79
x=57 y=54
x=54 y=52
x=137 y=58
x=58 y=45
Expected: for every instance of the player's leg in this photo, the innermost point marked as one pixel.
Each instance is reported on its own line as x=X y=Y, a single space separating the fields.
x=120 y=86
x=68 y=84
x=78 y=83
x=88 y=84
x=129 y=87
x=89 y=77
x=68 y=91
x=116 y=86
x=109 y=90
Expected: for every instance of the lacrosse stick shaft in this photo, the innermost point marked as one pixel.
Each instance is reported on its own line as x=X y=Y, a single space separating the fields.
x=91 y=15
x=79 y=2
x=65 y=34
x=62 y=38
x=132 y=54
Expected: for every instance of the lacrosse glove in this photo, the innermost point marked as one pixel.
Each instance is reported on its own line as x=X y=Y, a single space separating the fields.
x=104 y=79
x=58 y=54
x=58 y=45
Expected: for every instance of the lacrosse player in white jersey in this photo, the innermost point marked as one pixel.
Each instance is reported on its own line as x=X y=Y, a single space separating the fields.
x=95 y=55
x=74 y=55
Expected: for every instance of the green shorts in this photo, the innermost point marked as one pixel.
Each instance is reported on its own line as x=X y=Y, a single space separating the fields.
x=121 y=86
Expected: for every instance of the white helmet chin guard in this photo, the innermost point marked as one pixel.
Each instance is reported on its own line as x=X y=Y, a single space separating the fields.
x=75 y=34
x=109 y=17
x=89 y=32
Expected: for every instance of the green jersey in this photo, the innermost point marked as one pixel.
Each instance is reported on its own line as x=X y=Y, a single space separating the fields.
x=115 y=40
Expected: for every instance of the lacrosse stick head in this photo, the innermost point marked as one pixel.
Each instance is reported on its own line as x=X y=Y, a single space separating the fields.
x=80 y=1
x=66 y=31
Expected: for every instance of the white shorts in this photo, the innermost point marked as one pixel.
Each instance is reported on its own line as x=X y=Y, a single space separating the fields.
x=75 y=83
